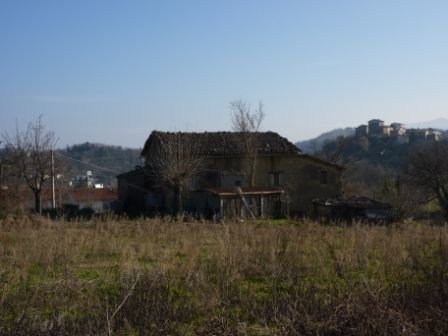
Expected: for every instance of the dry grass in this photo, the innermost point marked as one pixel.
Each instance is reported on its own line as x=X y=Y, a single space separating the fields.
x=162 y=277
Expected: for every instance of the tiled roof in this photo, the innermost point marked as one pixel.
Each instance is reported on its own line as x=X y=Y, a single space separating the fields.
x=245 y=191
x=89 y=194
x=317 y=159
x=225 y=143
x=353 y=201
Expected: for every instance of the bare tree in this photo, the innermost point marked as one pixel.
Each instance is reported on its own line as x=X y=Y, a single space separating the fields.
x=333 y=151
x=29 y=155
x=403 y=197
x=247 y=121
x=175 y=158
x=428 y=168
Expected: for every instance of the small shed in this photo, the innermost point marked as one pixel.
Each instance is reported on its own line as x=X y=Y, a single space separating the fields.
x=352 y=208
x=240 y=202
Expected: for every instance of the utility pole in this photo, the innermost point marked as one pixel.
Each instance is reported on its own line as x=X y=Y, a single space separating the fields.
x=1 y=173
x=53 y=196
x=1 y=184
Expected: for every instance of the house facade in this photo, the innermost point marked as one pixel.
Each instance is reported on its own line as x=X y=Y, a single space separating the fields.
x=362 y=130
x=376 y=127
x=284 y=181
x=397 y=129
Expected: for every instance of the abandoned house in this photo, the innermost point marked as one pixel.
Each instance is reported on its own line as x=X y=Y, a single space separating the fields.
x=227 y=174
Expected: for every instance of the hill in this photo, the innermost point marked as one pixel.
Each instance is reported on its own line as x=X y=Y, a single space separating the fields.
x=440 y=123
x=103 y=160
x=316 y=144
x=371 y=163
x=384 y=151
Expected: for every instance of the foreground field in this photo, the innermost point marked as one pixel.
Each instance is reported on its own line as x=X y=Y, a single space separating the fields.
x=156 y=277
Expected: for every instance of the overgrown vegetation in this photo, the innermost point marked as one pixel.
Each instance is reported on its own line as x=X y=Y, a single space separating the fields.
x=162 y=277
x=406 y=175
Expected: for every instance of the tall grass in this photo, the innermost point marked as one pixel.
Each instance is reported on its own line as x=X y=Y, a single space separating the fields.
x=162 y=277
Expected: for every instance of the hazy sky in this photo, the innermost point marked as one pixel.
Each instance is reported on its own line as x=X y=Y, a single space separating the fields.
x=112 y=71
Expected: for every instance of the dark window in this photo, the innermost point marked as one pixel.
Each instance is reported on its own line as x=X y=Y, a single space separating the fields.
x=237 y=183
x=323 y=177
x=275 y=179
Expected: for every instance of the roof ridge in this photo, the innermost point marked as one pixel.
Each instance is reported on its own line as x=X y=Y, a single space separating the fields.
x=229 y=142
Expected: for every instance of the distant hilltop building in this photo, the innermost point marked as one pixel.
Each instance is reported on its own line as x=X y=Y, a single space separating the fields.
x=376 y=128
x=362 y=130
x=397 y=129
x=424 y=134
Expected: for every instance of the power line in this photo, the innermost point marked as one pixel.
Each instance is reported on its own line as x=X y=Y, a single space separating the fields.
x=105 y=169
x=90 y=164
x=118 y=173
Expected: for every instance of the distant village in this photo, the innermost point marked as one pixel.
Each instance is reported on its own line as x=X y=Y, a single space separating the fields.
x=88 y=181
x=376 y=128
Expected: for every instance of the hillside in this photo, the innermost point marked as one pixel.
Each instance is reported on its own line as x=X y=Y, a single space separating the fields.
x=316 y=144
x=103 y=160
x=381 y=151
x=371 y=163
x=440 y=123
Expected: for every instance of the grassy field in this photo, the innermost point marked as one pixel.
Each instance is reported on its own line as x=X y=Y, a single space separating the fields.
x=162 y=277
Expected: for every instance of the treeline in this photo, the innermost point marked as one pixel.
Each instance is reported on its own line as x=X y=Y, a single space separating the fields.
x=371 y=163
x=385 y=151
x=92 y=156
x=413 y=177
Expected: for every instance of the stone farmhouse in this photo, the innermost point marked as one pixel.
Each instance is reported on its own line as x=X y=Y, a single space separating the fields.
x=285 y=180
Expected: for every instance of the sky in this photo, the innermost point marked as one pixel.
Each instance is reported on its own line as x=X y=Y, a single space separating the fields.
x=112 y=71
